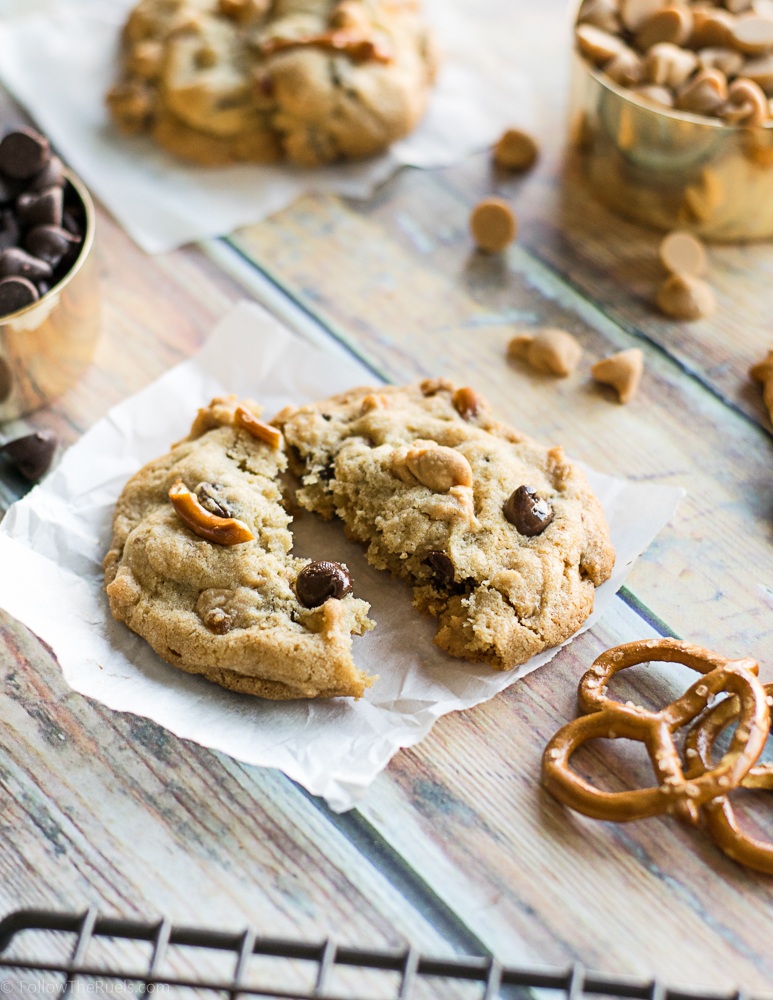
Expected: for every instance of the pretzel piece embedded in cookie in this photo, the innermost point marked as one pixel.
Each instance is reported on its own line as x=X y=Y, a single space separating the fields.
x=718 y=815
x=610 y=719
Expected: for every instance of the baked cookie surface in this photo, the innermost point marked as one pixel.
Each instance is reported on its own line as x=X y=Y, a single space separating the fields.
x=229 y=608
x=502 y=539
x=310 y=81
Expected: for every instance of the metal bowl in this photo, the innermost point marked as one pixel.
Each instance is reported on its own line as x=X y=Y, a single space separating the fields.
x=46 y=346
x=671 y=169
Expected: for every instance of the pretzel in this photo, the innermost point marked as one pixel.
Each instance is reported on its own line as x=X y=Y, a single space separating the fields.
x=610 y=719
x=718 y=816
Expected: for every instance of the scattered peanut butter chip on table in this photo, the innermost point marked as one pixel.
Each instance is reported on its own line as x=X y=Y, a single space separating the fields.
x=683 y=253
x=623 y=371
x=493 y=225
x=515 y=150
x=550 y=351
x=684 y=297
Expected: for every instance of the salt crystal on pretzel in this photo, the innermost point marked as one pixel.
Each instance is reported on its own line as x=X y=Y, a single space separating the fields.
x=611 y=719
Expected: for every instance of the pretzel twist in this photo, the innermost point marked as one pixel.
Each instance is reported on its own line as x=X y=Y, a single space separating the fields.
x=675 y=793
x=718 y=815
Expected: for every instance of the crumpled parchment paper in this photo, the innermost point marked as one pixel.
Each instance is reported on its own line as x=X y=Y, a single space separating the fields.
x=52 y=543
x=59 y=57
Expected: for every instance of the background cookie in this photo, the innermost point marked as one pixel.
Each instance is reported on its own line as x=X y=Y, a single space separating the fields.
x=502 y=538
x=221 y=595
x=220 y=81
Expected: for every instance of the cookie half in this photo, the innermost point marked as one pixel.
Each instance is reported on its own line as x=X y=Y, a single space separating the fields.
x=502 y=539
x=310 y=81
x=200 y=567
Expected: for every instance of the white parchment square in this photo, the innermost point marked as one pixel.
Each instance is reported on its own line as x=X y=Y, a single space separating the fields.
x=59 y=57
x=52 y=543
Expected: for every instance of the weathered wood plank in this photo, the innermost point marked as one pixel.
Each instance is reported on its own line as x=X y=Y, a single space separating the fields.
x=416 y=302
x=651 y=897
x=108 y=809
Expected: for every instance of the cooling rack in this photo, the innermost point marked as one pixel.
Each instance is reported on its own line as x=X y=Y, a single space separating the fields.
x=67 y=970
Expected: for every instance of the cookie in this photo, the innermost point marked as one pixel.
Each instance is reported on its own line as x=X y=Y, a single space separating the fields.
x=501 y=538
x=200 y=567
x=310 y=81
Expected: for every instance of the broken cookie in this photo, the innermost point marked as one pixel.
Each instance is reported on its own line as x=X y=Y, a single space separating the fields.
x=200 y=567
x=502 y=539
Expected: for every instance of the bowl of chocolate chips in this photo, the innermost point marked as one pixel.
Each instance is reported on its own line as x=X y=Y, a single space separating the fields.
x=672 y=112
x=49 y=296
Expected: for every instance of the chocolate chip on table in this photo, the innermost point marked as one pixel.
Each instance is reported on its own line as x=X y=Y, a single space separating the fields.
x=32 y=454
x=441 y=566
x=24 y=153
x=40 y=208
x=15 y=294
x=527 y=511
x=321 y=580
x=16 y=263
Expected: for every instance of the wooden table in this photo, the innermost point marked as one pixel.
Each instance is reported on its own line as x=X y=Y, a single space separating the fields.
x=456 y=847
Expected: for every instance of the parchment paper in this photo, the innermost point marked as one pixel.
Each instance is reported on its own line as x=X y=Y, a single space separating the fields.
x=52 y=543
x=59 y=57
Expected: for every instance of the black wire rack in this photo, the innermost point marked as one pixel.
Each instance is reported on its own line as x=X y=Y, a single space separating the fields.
x=176 y=958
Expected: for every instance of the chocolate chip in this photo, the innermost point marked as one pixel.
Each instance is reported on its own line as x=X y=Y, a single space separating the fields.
x=15 y=294
x=321 y=580
x=50 y=243
x=24 y=153
x=32 y=454
x=40 y=208
x=209 y=499
x=52 y=175
x=527 y=511
x=441 y=566
x=71 y=223
x=9 y=189
x=9 y=230
x=16 y=263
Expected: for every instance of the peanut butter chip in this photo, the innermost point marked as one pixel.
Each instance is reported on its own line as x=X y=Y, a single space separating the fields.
x=684 y=297
x=493 y=225
x=601 y=13
x=515 y=150
x=672 y=24
x=683 y=253
x=704 y=94
x=596 y=45
x=635 y=12
x=753 y=35
x=623 y=371
x=550 y=351
x=655 y=95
